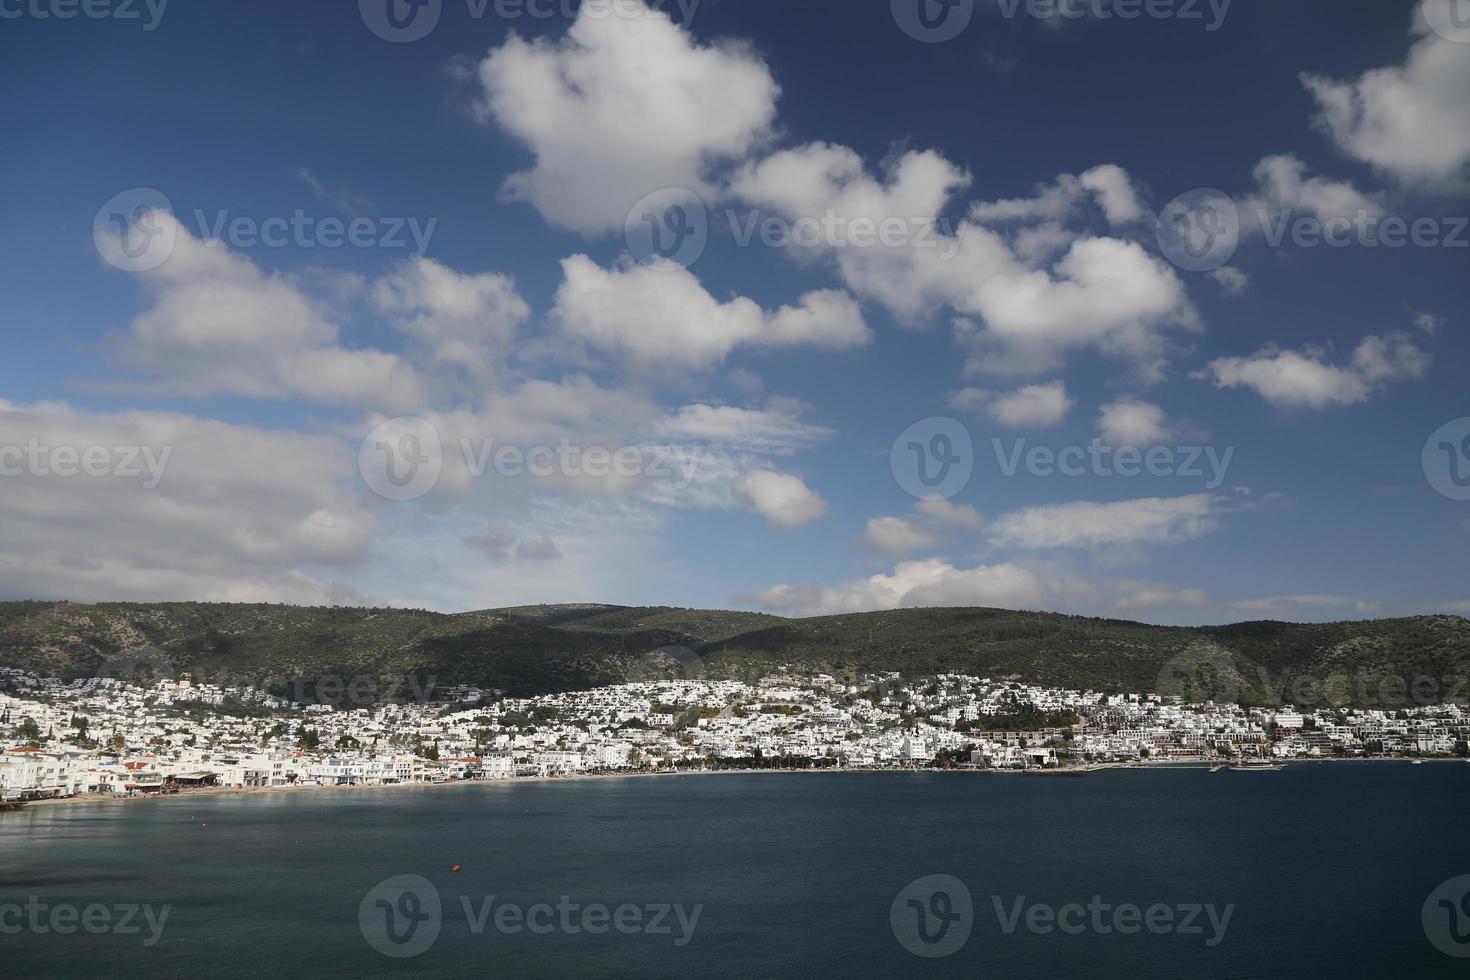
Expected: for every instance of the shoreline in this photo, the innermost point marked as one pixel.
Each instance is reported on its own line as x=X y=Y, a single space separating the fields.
x=1186 y=765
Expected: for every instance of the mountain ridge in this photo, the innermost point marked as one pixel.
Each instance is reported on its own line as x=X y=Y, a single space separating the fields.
x=528 y=650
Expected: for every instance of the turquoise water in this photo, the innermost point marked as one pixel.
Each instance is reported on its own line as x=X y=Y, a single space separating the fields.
x=1327 y=867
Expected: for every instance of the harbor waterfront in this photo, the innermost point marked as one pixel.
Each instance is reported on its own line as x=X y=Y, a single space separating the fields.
x=1318 y=871
x=102 y=738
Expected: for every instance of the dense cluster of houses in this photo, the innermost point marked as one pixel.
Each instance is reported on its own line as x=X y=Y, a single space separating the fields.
x=102 y=736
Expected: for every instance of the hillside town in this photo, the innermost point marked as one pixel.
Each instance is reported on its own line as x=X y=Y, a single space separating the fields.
x=105 y=737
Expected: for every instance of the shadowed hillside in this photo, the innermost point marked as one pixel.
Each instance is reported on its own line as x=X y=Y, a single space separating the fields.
x=540 y=649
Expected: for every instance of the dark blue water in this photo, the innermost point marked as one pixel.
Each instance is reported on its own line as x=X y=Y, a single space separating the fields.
x=1327 y=866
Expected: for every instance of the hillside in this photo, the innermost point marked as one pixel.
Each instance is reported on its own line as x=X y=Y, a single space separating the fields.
x=541 y=649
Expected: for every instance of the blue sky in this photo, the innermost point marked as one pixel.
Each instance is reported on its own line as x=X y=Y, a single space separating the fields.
x=488 y=162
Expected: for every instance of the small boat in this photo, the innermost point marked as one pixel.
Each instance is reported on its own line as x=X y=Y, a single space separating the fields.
x=1216 y=768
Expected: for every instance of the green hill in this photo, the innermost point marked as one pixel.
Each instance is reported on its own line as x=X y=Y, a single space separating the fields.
x=543 y=649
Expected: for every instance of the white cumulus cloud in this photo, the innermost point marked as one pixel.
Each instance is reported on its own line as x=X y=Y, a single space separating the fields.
x=1039 y=405
x=1411 y=121
x=1084 y=524
x=1304 y=378
x=183 y=509
x=620 y=107
x=666 y=316
x=781 y=498
x=1101 y=292
x=219 y=324
x=1131 y=422
x=468 y=320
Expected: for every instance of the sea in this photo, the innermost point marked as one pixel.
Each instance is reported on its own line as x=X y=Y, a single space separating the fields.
x=1325 y=870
